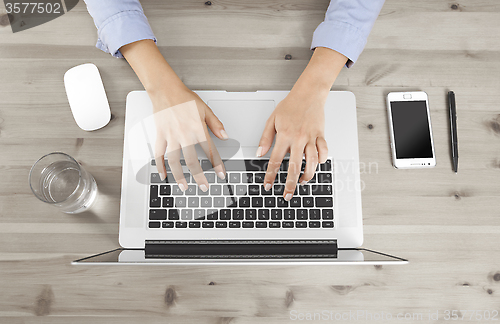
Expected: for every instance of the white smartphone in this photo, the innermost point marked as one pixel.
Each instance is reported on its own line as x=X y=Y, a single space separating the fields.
x=412 y=145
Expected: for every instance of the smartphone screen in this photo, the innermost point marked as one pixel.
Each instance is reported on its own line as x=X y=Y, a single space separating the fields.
x=412 y=135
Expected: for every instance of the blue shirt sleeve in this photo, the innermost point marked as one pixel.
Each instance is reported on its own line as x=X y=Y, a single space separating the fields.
x=346 y=27
x=118 y=22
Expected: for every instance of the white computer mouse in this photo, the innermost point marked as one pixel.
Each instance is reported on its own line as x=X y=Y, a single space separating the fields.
x=87 y=97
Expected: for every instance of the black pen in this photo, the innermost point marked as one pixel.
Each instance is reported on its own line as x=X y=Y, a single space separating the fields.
x=453 y=127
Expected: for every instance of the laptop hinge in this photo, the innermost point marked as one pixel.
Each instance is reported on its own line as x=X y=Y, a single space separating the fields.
x=241 y=249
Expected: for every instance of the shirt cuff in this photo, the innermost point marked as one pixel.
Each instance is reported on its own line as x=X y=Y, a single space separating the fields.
x=341 y=37
x=121 y=29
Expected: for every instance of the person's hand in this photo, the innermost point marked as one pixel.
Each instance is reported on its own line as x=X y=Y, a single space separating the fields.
x=181 y=122
x=298 y=123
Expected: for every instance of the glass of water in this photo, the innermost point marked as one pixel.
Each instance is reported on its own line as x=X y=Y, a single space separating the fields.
x=60 y=180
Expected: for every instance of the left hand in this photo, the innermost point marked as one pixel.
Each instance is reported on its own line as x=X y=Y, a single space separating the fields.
x=298 y=122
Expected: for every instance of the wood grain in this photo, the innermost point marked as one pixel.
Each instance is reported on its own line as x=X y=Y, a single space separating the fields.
x=447 y=225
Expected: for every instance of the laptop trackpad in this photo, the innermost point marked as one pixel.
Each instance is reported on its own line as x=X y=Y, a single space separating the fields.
x=243 y=120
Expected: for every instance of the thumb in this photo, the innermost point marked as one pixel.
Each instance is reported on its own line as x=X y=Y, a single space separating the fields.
x=215 y=125
x=266 y=140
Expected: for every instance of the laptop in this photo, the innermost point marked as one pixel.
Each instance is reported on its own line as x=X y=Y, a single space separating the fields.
x=236 y=221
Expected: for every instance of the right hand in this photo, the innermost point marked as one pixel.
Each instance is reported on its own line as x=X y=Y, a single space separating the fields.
x=181 y=123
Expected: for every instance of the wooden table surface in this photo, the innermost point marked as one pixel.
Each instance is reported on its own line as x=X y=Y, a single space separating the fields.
x=447 y=225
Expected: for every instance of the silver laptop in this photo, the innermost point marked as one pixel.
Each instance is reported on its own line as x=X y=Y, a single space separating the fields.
x=237 y=221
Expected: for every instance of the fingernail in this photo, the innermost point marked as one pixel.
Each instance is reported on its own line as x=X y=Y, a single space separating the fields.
x=259 y=152
x=221 y=175
x=162 y=176
x=288 y=197
x=224 y=134
x=181 y=186
x=203 y=188
x=303 y=182
x=267 y=186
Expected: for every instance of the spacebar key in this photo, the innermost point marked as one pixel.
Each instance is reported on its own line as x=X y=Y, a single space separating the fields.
x=324 y=202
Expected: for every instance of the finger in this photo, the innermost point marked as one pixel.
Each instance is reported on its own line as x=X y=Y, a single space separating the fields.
x=266 y=140
x=214 y=157
x=160 y=148
x=174 y=162
x=277 y=155
x=191 y=158
x=322 y=148
x=215 y=125
x=311 y=163
x=294 y=166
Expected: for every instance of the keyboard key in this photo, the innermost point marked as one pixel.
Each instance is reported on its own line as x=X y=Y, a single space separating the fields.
x=321 y=190
x=307 y=201
x=302 y=214
x=210 y=177
x=167 y=224
x=295 y=202
x=153 y=191
x=241 y=190
x=263 y=214
x=257 y=202
x=155 y=202
x=227 y=190
x=287 y=224
x=225 y=214
x=206 y=165
x=234 y=224
x=234 y=178
x=256 y=165
x=219 y=180
x=206 y=202
x=313 y=180
x=199 y=214
x=279 y=190
x=281 y=202
x=253 y=190
x=270 y=202
x=314 y=224
x=165 y=190
x=324 y=178
x=248 y=177
x=155 y=178
x=220 y=224
x=237 y=214
x=327 y=223
x=180 y=202
x=215 y=190
x=314 y=214
x=235 y=165
x=289 y=214
x=193 y=202
x=282 y=177
x=219 y=201
x=154 y=224
x=260 y=224
x=212 y=214
x=304 y=190
x=186 y=214
x=168 y=202
x=327 y=166
x=231 y=202
x=248 y=224
x=327 y=213
x=264 y=192
x=250 y=214
x=259 y=177
x=176 y=191
x=301 y=224
x=157 y=214
x=173 y=214
x=274 y=224
x=194 y=224
x=202 y=193
x=181 y=224
x=324 y=202
x=187 y=176
x=207 y=224
x=244 y=202
x=276 y=214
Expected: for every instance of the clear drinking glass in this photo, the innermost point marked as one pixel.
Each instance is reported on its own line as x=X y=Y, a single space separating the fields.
x=60 y=180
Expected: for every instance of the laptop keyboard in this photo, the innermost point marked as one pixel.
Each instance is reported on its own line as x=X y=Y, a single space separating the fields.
x=240 y=200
